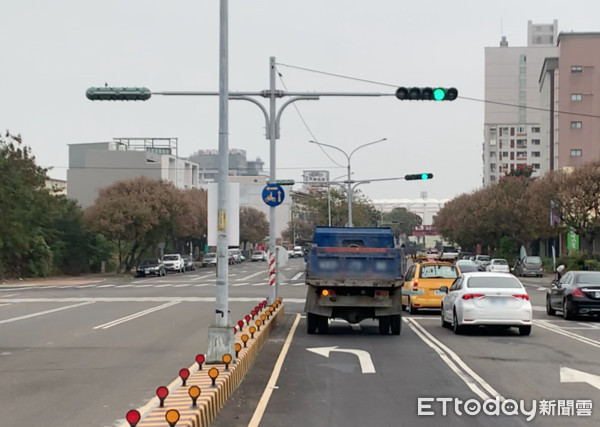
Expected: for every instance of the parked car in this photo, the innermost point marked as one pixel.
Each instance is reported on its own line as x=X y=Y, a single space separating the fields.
x=498 y=265
x=486 y=299
x=466 y=266
x=189 y=263
x=422 y=284
x=174 y=262
x=575 y=293
x=259 y=256
x=150 y=266
x=209 y=259
x=449 y=253
x=529 y=266
x=482 y=261
x=433 y=254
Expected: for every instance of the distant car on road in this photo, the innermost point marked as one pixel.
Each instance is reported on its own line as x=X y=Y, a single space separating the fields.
x=577 y=292
x=422 y=284
x=433 y=254
x=174 y=262
x=209 y=259
x=498 y=265
x=449 y=253
x=466 y=266
x=259 y=256
x=298 y=252
x=529 y=266
x=189 y=263
x=486 y=299
x=150 y=266
x=482 y=261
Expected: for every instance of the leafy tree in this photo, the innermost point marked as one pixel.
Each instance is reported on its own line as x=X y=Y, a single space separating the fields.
x=134 y=215
x=578 y=196
x=253 y=225
x=401 y=221
x=191 y=219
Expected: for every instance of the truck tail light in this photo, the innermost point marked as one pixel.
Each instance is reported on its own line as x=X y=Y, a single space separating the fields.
x=328 y=292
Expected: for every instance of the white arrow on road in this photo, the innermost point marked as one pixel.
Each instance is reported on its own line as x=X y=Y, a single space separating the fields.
x=568 y=375
x=364 y=358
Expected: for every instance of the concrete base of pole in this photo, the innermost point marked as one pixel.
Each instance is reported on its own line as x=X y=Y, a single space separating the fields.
x=220 y=341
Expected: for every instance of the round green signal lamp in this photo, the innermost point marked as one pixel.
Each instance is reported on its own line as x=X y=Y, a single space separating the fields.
x=424 y=176
x=439 y=94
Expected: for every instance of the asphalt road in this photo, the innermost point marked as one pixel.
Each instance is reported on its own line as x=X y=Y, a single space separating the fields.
x=81 y=353
x=426 y=362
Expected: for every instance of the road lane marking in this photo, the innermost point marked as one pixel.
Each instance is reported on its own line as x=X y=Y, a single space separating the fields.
x=364 y=358
x=469 y=377
x=106 y=286
x=85 y=286
x=135 y=315
x=164 y=286
x=41 y=313
x=240 y=284
x=297 y=276
x=547 y=325
x=265 y=273
x=203 y=285
x=568 y=375
x=142 y=299
x=264 y=399
x=2 y=305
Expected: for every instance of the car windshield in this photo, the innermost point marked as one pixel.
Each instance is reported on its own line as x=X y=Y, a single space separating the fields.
x=170 y=257
x=438 y=272
x=258 y=253
x=533 y=260
x=210 y=255
x=149 y=262
x=500 y=262
x=508 y=282
x=589 y=278
x=483 y=258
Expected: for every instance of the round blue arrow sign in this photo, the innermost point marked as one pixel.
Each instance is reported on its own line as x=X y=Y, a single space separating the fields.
x=273 y=194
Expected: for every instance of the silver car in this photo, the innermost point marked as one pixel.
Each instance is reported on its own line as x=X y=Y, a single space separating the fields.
x=529 y=266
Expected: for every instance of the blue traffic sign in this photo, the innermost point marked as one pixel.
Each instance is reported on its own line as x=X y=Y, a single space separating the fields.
x=273 y=194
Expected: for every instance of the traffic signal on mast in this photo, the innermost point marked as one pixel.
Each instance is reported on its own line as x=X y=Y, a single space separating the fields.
x=420 y=176
x=118 y=93
x=426 y=94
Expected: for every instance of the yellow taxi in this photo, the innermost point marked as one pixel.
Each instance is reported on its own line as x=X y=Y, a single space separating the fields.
x=422 y=284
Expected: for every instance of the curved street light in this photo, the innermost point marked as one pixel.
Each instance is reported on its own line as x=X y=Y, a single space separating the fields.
x=348 y=158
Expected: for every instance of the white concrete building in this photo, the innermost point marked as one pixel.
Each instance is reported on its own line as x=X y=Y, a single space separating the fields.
x=93 y=166
x=512 y=117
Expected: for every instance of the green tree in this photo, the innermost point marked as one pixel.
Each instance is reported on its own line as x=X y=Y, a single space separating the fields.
x=401 y=221
x=254 y=226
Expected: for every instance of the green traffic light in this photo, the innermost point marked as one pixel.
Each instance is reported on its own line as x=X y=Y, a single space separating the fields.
x=424 y=176
x=439 y=94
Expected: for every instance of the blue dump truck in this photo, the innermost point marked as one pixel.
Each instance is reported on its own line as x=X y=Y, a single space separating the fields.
x=354 y=274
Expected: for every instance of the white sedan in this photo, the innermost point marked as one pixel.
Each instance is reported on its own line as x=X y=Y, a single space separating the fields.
x=488 y=299
x=499 y=265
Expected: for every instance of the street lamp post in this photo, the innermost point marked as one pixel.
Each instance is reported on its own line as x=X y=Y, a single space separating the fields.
x=349 y=181
x=329 y=199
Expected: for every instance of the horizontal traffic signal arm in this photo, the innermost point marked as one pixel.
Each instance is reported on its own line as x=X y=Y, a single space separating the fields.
x=426 y=94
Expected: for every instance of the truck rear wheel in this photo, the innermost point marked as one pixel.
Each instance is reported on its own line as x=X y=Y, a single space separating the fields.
x=323 y=324
x=384 y=325
x=311 y=323
x=396 y=323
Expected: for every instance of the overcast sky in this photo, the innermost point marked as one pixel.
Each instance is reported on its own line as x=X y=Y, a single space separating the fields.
x=52 y=51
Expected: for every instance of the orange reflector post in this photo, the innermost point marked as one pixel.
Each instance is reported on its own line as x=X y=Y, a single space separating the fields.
x=238 y=347
x=263 y=317
x=194 y=393
x=213 y=373
x=245 y=339
x=226 y=360
x=252 y=330
x=172 y=416
x=258 y=323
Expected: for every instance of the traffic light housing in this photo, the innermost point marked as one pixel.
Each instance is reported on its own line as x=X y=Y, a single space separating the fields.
x=118 y=93
x=420 y=176
x=426 y=94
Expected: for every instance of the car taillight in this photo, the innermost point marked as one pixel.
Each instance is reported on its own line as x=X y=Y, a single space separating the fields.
x=522 y=296
x=577 y=293
x=471 y=296
x=415 y=286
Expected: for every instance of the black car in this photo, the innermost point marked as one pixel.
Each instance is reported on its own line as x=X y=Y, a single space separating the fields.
x=150 y=266
x=190 y=264
x=577 y=292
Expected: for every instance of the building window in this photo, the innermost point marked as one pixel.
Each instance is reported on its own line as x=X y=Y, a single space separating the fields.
x=512 y=143
x=576 y=68
x=523 y=58
x=576 y=153
x=575 y=125
x=512 y=155
x=493 y=178
x=521 y=155
x=575 y=97
x=535 y=129
x=512 y=131
x=505 y=153
x=492 y=154
x=535 y=154
x=521 y=143
x=535 y=165
x=505 y=166
x=492 y=167
x=535 y=142
x=522 y=129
